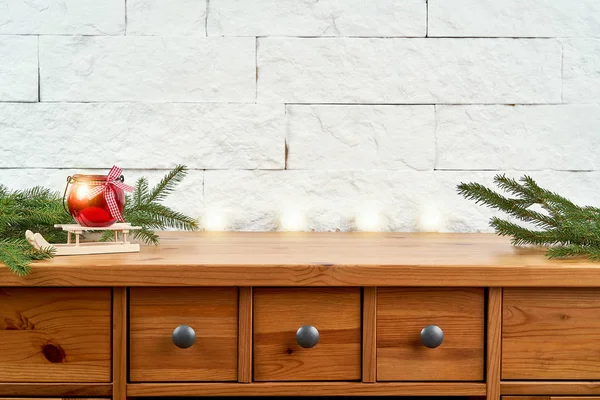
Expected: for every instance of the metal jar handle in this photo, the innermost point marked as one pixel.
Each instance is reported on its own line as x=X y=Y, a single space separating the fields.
x=70 y=180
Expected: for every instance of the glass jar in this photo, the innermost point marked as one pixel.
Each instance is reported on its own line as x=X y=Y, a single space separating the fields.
x=92 y=212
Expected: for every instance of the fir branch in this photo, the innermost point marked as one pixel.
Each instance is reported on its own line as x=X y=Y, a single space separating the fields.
x=140 y=194
x=568 y=230
x=515 y=207
x=167 y=184
x=521 y=236
x=17 y=255
x=107 y=236
x=574 y=250
x=147 y=236
x=143 y=208
x=166 y=217
x=550 y=199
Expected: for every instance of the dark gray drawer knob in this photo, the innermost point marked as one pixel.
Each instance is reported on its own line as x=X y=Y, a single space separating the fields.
x=307 y=336
x=432 y=336
x=184 y=336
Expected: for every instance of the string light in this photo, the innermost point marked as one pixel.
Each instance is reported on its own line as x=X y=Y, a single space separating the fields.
x=292 y=219
x=369 y=220
x=214 y=220
x=430 y=219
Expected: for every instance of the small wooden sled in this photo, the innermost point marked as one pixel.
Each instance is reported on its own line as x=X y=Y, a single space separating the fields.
x=119 y=245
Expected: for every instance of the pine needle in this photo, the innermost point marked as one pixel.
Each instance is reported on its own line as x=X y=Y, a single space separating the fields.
x=143 y=208
x=167 y=184
x=568 y=230
x=38 y=209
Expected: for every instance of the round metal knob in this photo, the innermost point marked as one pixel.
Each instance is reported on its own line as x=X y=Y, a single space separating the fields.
x=432 y=336
x=307 y=336
x=184 y=336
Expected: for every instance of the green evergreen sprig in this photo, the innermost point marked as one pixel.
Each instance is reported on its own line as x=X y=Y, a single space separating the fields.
x=38 y=209
x=143 y=208
x=567 y=229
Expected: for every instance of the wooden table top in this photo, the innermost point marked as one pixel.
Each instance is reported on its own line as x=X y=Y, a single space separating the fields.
x=316 y=259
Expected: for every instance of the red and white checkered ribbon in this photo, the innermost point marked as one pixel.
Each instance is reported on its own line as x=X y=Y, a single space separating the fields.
x=112 y=180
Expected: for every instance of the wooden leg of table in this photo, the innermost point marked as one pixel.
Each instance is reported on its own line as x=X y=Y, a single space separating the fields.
x=119 y=367
x=494 y=342
x=369 y=356
x=245 y=335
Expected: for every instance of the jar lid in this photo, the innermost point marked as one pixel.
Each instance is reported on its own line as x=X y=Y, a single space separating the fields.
x=88 y=178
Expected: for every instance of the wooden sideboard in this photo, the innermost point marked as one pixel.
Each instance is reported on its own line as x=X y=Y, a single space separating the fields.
x=304 y=314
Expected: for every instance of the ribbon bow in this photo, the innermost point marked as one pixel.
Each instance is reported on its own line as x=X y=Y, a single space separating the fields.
x=112 y=181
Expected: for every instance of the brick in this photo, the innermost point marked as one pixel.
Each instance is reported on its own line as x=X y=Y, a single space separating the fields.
x=581 y=71
x=521 y=137
x=360 y=70
x=18 y=68
x=317 y=18
x=149 y=69
x=514 y=18
x=166 y=18
x=142 y=135
x=356 y=137
x=62 y=17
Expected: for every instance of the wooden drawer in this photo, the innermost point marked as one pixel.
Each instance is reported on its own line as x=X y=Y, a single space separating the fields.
x=550 y=397
x=279 y=313
x=401 y=315
x=55 y=335
x=156 y=312
x=551 y=333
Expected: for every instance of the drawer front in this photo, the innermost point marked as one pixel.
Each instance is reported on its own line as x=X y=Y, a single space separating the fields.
x=551 y=333
x=155 y=314
x=335 y=313
x=55 y=335
x=550 y=397
x=402 y=314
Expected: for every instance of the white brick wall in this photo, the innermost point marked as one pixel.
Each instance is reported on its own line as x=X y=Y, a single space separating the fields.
x=408 y=71
x=18 y=68
x=330 y=108
x=318 y=18
x=144 y=69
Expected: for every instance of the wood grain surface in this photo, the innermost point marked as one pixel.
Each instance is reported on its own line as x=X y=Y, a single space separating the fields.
x=550 y=398
x=308 y=389
x=278 y=313
x=369 y=328
x=401 y=315
x=554 y=388
x=245 y=335
x=551 y=334
x=494 y=343
x=574 y=397
x=119 y=350
x=526 y=398
x=316 y=259
x=56 y=389
x=156 y=312
x=55 y=335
